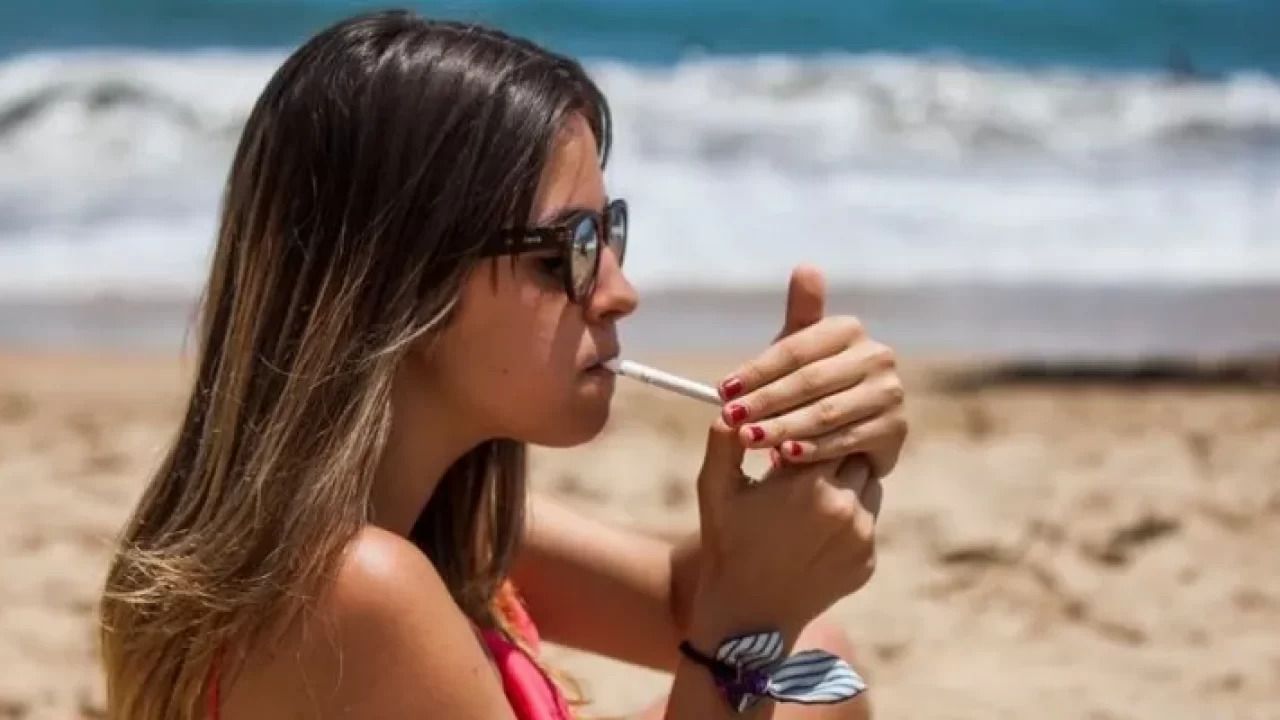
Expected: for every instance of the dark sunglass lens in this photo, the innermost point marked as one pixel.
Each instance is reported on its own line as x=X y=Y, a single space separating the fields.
x=584 y=255
x=618 y=229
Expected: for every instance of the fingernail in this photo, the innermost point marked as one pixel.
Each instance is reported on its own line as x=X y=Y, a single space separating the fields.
x=735 y=414
x=794 y=449
x=756 y=433
x=731 y=388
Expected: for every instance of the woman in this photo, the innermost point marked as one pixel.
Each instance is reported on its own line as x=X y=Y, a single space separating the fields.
x=417 y=272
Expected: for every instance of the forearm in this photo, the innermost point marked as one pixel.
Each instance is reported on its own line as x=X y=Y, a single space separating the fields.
x=686 y=559
x=598 y=587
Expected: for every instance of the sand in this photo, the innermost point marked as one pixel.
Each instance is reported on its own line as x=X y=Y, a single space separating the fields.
x=1047 y=549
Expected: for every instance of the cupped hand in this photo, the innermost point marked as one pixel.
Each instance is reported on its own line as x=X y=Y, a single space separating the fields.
x=823 y=390
x=776 y=553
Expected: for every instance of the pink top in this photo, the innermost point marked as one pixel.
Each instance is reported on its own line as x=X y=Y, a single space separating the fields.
x=531 y=694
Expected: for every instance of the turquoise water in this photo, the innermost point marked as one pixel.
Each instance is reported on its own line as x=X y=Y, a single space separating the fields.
x=1217 y=36
x=899 y=143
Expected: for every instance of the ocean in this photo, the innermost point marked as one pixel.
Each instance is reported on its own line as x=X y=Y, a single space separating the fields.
x=902 y=145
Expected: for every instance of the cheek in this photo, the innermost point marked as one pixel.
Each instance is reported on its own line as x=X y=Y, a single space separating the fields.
x=512 y=355
x=521 y=379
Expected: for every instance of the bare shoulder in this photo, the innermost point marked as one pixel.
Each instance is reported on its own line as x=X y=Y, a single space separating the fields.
x=384 y=578
x=386 y=640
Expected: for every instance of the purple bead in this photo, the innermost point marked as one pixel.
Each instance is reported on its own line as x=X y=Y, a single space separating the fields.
x=743 y=690
x=757 y=682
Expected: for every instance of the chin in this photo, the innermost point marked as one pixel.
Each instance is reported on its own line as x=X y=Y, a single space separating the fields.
x=587 y=427
x=595 y=424
x=575 y=425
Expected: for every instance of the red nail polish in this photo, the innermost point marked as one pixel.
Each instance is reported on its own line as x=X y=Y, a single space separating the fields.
x=731 y=388
x=735 y=414
x=756 y=432
x=794 y=448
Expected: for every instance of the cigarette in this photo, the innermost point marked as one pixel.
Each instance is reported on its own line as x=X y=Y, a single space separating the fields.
x=664 y=380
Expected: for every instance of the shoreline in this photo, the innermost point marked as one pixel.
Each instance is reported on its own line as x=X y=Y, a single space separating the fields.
x=1089 y=325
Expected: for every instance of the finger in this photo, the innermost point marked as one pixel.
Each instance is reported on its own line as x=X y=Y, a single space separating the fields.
x=721 y=473
x=823 y=377
x=806 y=299
x=880 y=439
x=884 y=448
x=854 y=473
x=810 y=472
x=819 y=471
x=813 y=343
x=872 y=497
x=823 y=418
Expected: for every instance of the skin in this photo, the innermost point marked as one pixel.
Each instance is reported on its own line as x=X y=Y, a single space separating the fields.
x=387 y=641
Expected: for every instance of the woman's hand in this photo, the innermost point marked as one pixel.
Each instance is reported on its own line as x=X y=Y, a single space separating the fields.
x=777 y=553
x=823 y=390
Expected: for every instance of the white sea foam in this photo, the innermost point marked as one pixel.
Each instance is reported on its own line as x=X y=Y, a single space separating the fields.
x=885 y=170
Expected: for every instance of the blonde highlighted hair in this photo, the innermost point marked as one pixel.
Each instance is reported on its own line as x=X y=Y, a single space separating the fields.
x=378 y=158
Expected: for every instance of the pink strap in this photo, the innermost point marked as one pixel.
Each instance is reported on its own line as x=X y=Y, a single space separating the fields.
x=529 y=691
x=531 y=694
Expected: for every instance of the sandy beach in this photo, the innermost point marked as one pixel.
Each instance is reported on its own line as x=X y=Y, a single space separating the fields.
x=1063 y=216
x=1048 y=549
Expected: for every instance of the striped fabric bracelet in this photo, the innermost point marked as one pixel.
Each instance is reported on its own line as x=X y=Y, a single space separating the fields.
x=749 y=667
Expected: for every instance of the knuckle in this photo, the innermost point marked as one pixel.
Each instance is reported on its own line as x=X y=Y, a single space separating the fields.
x=828 y=413
x=849 y=326
x=839 y=508
x=750 y=374
x=809 y=381
x=882 y=357
x=853 y=437
x=789 y=354
x=894 y=392
x=899 y=426
x=822 y=449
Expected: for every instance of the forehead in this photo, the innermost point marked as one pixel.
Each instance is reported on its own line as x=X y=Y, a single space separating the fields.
x=572 y=177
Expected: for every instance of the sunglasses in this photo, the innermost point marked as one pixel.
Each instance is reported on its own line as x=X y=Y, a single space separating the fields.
x=579 y=239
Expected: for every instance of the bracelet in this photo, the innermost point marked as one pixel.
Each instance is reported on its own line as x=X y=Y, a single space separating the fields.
x=750 y=667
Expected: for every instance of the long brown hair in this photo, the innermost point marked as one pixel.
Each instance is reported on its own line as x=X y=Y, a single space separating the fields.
x=377 y=160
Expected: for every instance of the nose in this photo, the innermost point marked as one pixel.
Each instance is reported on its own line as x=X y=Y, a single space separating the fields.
x=614 y=297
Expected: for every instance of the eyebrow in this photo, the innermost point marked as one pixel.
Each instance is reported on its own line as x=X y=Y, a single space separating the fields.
x=564 y=213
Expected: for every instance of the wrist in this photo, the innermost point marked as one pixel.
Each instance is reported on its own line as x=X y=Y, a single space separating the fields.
x=751 y=667
x=717 y=616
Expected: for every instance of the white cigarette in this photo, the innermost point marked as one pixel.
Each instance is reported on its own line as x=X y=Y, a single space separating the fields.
x=664 y=380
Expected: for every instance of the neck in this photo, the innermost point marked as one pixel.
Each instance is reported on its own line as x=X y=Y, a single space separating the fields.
x=427 y=438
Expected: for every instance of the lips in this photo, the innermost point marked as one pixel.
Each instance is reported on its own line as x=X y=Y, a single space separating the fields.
x=602 y=359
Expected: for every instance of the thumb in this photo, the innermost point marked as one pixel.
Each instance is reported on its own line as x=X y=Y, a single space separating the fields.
x=721 y=474
x=806 y=299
